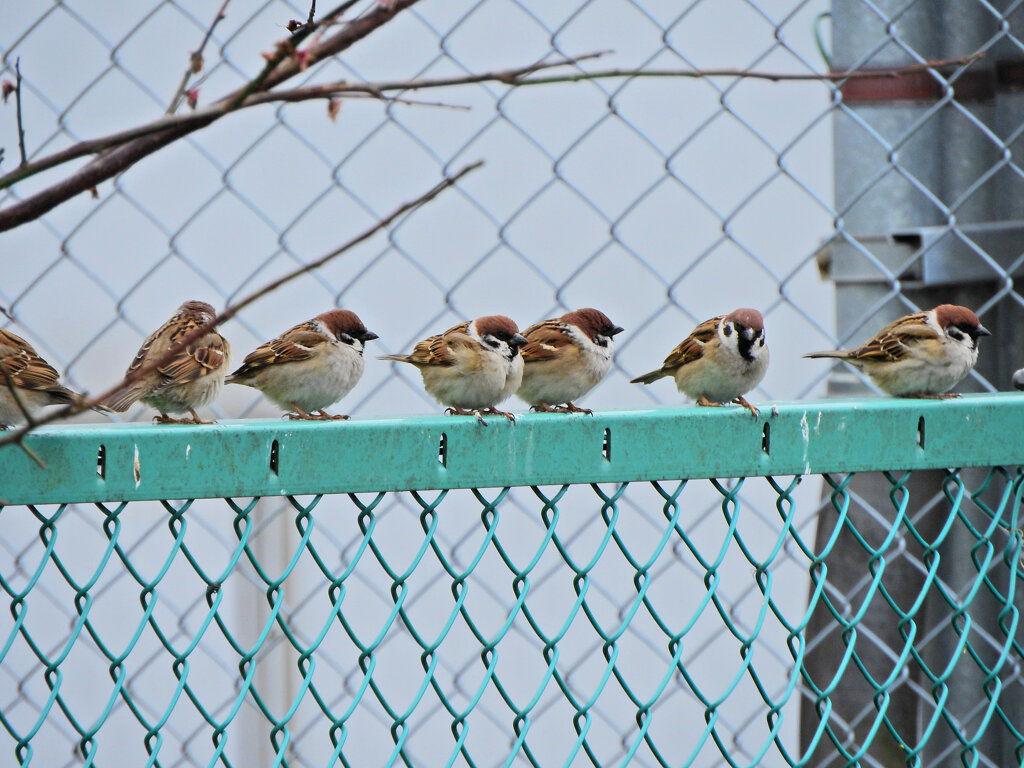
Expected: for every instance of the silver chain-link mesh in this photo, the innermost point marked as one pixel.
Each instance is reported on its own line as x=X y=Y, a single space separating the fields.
x=660 y=201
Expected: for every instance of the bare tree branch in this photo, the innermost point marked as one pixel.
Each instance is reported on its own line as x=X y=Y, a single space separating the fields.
x=17 y=108
x=195 y=59
x=282 y=66
x=233 y=309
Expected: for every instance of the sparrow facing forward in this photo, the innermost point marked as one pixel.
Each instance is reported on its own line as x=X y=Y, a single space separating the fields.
x=471 y=367
x=190 y=379
x=723 y=359
x=310 y=366
x=565 y=358
x=35 y=382
x=920 y=355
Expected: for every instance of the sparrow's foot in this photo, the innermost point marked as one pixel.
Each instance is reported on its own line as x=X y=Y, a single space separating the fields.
x=544 y=408
x=325 y=415
x=741 y=401
x=573 y=408
x=163 y=418
x=462 y=412
x=707 y=403
x=495 y=412
x=931 y=396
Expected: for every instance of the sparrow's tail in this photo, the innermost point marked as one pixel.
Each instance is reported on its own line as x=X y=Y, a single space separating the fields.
x=839 y=354
x=65 y=395
x=397 y=358
x=647 y=378
x=123 y=399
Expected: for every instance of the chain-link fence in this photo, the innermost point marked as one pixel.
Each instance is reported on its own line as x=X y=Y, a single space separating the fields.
x=662 y=201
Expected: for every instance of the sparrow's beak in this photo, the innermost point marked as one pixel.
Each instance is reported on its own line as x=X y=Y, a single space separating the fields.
x=615 y=330
x=518 y=341
x=370 y=336
x=748 y=334
x=983 y=331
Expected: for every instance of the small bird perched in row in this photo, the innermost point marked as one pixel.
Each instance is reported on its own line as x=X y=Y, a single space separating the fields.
x=565 y=358
x=924 y=354
x=720 y=361
x=34 y=382
x=472 y=366
x=310 y=366
x=190 y=379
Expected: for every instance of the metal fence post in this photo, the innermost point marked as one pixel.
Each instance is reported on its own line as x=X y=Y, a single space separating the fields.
x=916 y=193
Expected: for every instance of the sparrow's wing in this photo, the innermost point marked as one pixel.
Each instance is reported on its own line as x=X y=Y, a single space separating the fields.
x=24 y=366
x=546 y=340
x=204 y=356
x=692 y=347
x=894 y=341
x=298 y=343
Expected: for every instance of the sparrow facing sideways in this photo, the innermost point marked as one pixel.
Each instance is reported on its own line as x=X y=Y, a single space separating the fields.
x=920 y=355
x=35 y=382
x=565 y=358
x=190 y=379
x=310 y=366
x=471 y=367
x=723 y=359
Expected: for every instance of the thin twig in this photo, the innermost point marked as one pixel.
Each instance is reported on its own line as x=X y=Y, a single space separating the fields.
x=147 y=139
x=195 y=59
x=17 y=108
x=30 y=423
x=233 y=309
x=312 y=11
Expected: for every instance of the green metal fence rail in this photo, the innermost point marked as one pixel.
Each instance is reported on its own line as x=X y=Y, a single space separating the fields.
x=654 y=588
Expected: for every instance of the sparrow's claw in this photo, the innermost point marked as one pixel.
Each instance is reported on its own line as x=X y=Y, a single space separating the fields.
x=326 y=416
x=741 y=401
x=462 y=412
x=543 y=408
x=707 y=403
x=573 y=408
x=495 y=412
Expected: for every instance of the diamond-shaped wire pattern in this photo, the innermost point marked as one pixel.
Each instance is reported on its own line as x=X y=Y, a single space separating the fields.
x=662 y=201
x=648 y=624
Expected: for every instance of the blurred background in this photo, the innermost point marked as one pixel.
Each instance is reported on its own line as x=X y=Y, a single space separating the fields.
x=661 y=201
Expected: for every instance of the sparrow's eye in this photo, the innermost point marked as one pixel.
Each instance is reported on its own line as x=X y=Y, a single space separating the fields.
x=492 y=342
x=346 y=338
x=727 y=329
x=955 y=333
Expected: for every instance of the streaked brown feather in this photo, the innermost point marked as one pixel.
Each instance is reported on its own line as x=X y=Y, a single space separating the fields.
x=24 y=366
x=692 y=347
x=298 y=343
x=545 y=340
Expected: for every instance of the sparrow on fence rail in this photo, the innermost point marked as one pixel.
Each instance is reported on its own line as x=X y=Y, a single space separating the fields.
x=565 y=358
x=920 y=355
x=471 y=367
x=190 y=379
x=26 y=378
x=310 y=366
x=720 y=361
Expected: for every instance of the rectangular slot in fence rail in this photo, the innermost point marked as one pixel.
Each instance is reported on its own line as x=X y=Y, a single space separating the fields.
x=243 y=458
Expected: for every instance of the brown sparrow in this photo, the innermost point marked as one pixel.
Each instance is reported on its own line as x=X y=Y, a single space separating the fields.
x=920 y=355
x=310 y=366
x=190 y=379
x=471 y=367
x=565 y=358
x=34 y=381
x=723 y=359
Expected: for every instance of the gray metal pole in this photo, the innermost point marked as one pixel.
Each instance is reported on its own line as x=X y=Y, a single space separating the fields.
x=909 y=175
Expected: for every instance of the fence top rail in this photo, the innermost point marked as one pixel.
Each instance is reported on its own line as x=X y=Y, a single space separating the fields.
x=128 y=462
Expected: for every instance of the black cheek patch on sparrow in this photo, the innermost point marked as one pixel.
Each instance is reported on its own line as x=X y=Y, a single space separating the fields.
x=745 y=345
x=727 y=329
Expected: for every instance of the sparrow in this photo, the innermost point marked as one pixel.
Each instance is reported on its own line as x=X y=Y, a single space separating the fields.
x=34 y=382
x=471 y=367
x=720 y=361
x=920 y=355
x=565 y=358
x=190 y=379
x=310 y=366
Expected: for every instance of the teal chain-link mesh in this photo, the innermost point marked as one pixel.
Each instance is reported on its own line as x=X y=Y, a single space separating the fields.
x=646 y=624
